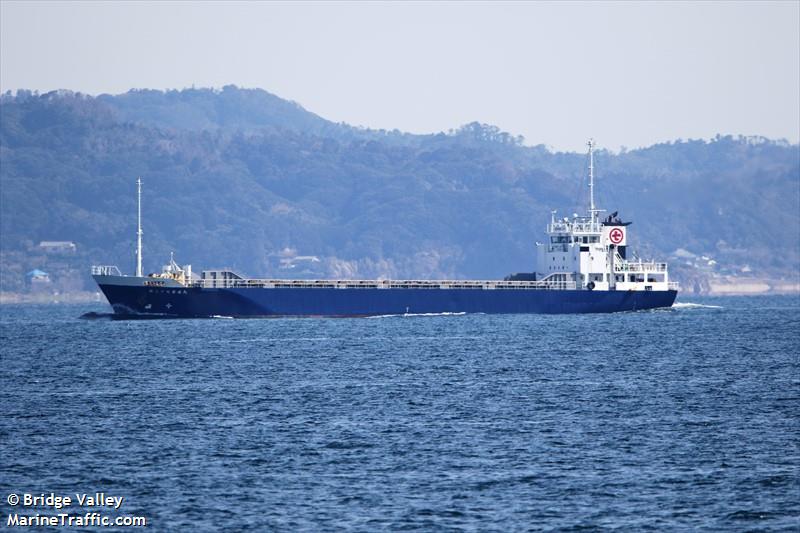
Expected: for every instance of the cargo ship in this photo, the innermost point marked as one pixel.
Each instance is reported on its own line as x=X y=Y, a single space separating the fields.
x=582 y=267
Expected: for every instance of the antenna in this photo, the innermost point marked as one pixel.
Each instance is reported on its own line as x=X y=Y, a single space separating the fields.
x=139 y=230
x=592 y=210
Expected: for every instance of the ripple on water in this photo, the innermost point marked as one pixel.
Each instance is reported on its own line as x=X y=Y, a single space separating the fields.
x=673 y=420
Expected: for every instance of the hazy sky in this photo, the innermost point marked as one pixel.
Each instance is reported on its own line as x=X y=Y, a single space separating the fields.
x=626 y=73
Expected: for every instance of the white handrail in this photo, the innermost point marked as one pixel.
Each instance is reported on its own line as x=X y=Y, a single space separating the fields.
x=382 y=284
x=638 y=266
x=105 y=270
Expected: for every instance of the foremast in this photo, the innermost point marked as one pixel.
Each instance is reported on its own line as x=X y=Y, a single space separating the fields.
x=139 y=228
x=181 y=275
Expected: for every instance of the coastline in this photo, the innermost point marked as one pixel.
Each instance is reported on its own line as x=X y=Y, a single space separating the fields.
x=79 y=297
x=741 y=286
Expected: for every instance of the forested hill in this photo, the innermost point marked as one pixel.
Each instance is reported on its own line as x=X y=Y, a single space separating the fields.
x=244 y=179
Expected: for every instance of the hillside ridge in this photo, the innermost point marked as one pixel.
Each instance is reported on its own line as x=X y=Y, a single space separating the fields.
x=244 y=179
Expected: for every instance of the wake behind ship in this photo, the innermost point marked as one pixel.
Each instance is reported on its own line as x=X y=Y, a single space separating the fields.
x=582 y=268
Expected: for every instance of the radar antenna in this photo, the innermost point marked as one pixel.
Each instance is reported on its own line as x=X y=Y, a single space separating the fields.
x=139 y=230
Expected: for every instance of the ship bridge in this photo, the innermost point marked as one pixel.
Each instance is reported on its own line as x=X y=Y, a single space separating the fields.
x=592 y=253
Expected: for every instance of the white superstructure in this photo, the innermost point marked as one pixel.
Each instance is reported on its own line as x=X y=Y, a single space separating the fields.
x=592 y=253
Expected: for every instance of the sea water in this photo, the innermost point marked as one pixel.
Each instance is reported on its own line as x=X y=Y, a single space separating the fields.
x=684 y=418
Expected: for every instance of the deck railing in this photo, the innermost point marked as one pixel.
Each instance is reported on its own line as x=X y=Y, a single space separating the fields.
x=574 y=227
x=105 y=270
x=380 y=284
x=621 y=265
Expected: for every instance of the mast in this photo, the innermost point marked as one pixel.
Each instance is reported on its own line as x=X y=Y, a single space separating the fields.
x=139 y=230
x=592 y=209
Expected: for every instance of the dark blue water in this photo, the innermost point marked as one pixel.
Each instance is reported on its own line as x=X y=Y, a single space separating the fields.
x=686 y=418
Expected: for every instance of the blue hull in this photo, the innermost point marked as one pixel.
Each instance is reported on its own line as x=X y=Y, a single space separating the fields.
x=266 y=302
